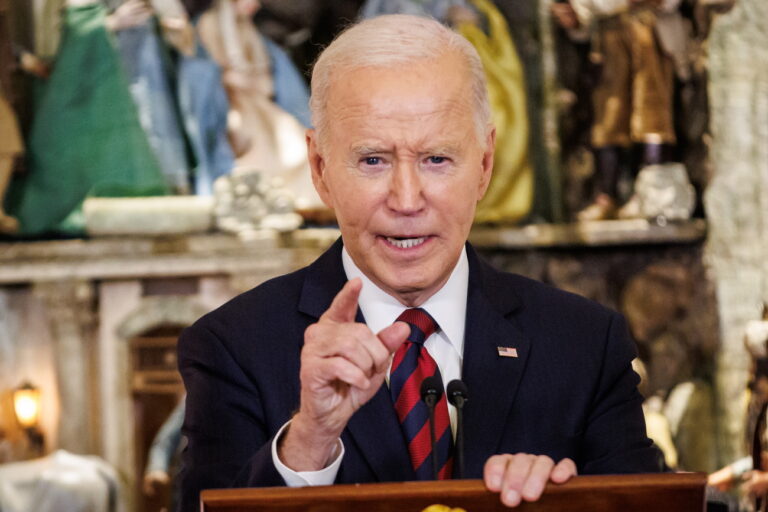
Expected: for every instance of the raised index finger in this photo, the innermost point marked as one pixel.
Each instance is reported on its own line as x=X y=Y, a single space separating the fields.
x=344 y=306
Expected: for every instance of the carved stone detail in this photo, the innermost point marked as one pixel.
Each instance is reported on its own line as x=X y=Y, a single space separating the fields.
x=70 y=312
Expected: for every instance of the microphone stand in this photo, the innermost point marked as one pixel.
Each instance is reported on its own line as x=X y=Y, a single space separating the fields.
x=458 y=395
x=431 y=389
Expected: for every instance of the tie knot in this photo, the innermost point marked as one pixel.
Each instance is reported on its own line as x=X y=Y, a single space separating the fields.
x=422 y=325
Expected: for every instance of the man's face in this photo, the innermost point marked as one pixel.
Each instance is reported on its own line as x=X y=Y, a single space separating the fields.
x=403 y=168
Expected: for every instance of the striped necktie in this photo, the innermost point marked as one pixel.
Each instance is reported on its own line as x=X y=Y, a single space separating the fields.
x=410 y=366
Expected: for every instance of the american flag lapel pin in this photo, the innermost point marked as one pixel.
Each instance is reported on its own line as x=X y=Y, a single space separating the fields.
x=507 y=351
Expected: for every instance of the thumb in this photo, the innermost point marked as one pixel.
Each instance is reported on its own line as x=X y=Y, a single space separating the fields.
x=344 y=306
x=394 y=335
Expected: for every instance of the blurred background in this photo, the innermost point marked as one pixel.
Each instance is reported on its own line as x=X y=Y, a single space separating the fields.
x=152 y=166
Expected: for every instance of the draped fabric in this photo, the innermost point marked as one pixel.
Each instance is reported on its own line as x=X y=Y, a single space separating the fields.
x=633 y=98
x=204 y=109
x=60 y=481
x=510 y=192
x=86 y=138
x=264 y=137
x=291 y=91
x=149 y=71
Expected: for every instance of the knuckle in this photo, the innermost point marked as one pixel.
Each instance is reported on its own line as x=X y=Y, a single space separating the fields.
x=527 y=458
x=360 y=332
x=311 y=333
x=335 y=365
x=495 y=461
x=381 y=361
x=345 y=344
x=513 y=480
x=308 y=374
x=341 y=366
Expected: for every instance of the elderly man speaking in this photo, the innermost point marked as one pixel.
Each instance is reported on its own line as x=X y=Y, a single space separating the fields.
x=313 y=378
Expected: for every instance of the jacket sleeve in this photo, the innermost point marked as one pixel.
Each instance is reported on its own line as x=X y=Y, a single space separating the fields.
x=228 y=441
x=615 y=439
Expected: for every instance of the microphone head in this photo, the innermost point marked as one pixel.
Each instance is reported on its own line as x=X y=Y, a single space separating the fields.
x=457 y=392
x=431 y=387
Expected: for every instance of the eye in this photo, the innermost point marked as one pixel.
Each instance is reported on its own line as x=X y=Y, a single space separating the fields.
x=372 y=160
x=437 y=163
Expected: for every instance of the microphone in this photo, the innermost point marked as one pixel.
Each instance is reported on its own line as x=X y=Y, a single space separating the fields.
x=431 y=391
x=458 y=395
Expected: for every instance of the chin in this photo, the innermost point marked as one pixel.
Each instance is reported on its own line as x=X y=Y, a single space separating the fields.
x=406 y=287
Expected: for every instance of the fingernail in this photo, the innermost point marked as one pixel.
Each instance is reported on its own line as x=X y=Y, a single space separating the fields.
x=512 y=497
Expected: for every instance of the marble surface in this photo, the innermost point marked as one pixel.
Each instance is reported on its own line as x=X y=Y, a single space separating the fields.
x=217 y=253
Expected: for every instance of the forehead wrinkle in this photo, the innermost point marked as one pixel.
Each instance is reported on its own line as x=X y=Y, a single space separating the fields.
x=395 y=119
x=393 y=107
x=422 y=133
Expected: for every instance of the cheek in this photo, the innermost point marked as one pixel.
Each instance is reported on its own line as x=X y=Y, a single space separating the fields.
x=357 y=198
x=350 y=207
x=458 y=200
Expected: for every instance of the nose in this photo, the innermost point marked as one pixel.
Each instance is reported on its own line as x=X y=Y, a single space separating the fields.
x=406 y=190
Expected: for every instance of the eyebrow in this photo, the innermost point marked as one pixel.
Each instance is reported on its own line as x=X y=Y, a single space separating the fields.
x=444 y=149
x=368 y=150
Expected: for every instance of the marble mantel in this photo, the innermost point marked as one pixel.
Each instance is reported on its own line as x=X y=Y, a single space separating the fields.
x=268 y=253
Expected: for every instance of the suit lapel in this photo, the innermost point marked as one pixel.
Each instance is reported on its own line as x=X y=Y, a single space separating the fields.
x=492 y=380
x=377 y=433
x=374 y=428
x=325 y=277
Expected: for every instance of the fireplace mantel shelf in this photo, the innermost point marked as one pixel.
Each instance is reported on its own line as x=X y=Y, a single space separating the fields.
x=219 y=253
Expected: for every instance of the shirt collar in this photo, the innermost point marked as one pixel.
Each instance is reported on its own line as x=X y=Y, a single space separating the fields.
x=448 y=306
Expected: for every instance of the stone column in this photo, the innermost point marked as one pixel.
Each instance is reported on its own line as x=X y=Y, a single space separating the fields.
x=736 y=200
x=69 y=305
x=116 y=300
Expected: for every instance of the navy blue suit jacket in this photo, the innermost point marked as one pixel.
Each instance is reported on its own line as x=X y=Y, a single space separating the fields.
x=571 y=391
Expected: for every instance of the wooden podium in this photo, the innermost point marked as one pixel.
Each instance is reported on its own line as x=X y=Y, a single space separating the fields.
x=679 y=492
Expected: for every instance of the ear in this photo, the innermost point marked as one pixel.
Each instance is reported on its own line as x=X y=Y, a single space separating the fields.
x=487 y=163
x=317 y=166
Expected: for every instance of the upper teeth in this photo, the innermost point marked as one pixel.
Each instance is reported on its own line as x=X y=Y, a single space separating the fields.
x=407 y=242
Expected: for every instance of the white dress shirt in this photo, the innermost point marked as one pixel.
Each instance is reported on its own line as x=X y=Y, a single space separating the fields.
x=448 y=306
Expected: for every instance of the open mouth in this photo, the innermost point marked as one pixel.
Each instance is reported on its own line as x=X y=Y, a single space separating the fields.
x=406 y=243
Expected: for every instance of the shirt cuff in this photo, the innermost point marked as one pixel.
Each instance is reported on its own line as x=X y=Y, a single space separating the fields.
x=325 y=476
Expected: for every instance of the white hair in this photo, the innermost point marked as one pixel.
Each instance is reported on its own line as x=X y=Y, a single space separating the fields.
x=389 y=40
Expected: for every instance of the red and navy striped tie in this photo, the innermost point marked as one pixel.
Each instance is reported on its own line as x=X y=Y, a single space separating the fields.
x=410 y=366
